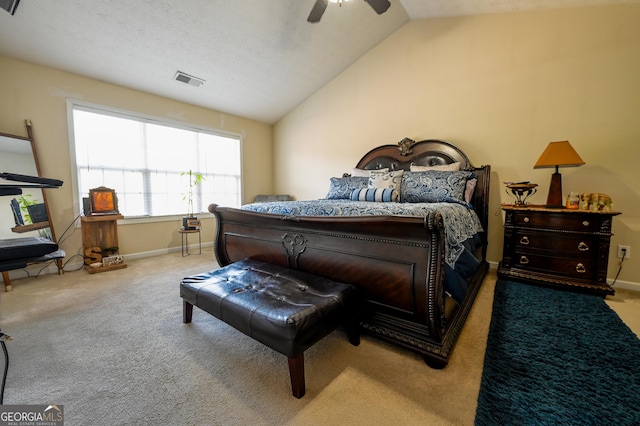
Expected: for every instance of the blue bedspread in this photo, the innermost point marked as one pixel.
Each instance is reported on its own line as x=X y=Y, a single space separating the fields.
x=462 y=225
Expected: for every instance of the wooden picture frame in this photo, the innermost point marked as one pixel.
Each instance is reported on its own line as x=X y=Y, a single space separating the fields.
x=103 y=200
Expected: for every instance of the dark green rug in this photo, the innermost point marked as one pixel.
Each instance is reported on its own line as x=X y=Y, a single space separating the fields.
x=557 y=358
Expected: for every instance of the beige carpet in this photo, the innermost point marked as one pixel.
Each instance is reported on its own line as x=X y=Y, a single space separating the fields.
x=112 y=349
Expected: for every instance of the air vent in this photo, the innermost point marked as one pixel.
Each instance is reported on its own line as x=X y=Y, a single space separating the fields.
x=189 y=79
x=9 y=5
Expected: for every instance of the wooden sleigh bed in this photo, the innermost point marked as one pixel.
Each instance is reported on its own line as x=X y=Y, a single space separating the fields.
x=397 y=262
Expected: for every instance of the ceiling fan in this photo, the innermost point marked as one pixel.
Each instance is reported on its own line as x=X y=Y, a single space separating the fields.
x=380 y=6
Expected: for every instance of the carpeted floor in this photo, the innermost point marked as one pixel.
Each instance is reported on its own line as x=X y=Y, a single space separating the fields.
x=556 y=357
x=113 y=350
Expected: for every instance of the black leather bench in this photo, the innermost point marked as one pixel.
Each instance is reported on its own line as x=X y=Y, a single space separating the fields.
x=285 y=309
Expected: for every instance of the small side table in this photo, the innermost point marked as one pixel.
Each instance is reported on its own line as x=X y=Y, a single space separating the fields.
x=98 y=232
x=185 y=240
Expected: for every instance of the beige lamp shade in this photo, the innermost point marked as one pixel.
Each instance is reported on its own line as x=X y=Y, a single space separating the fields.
x=559 y=154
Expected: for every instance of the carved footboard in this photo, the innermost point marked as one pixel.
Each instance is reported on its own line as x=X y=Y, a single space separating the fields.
x=396 y=262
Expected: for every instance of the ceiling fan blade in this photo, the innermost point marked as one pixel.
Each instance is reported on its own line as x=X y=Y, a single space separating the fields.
x=380 y=6
x=318 y=10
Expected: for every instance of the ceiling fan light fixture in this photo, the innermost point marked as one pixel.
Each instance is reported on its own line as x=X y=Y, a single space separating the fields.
x=380 y=7
x=189 y=79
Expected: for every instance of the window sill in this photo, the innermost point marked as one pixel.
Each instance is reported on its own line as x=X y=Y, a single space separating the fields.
x=135 y=220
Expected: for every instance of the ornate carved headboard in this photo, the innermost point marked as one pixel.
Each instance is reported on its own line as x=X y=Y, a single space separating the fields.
x=428 y=152
x=431 y=152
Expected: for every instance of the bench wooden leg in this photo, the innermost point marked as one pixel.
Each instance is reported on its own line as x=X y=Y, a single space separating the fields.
x=187 y=311
x=7 y=281
x=352 y=322
x=353 y=329
x=354 y=336
x=296 y=371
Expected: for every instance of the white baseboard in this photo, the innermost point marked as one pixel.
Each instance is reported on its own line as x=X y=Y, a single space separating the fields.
x=627 y=285
x=77 y=264
x=140 y=255
x=34 y=270
x=151 y=253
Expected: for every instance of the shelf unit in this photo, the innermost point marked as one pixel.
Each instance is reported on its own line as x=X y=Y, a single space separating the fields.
x=100 y=231
x=21 y=229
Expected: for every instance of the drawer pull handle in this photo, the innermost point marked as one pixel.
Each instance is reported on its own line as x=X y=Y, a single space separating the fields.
x=582 y=246
x=580 y=268
x=585 y=223
x=524 y=260
x=526 y=220
x=524 y=240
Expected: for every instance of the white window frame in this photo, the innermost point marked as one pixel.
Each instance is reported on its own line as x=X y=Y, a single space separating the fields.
x=101 y=109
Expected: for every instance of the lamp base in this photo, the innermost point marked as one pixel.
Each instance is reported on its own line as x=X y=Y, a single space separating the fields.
x=554 y=199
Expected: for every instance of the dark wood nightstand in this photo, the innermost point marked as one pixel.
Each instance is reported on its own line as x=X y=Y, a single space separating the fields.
x=557 y=247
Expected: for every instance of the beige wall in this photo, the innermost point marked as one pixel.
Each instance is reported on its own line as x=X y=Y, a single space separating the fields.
x=498 y=86
x=39 y=93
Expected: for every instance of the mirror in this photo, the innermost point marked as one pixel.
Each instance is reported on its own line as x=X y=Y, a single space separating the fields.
x=27 y=214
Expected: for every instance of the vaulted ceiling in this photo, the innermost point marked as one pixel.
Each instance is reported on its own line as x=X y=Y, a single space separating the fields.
x=259 y=58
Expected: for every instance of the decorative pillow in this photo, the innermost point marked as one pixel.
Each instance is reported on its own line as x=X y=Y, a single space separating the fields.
x=363 y=172
x=453 y=167
x=471 y=186
x=435 y=186
x=381 y=195
x=381 y=179
x=341 y=188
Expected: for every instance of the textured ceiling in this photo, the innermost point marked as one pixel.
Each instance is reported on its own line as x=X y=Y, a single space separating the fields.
x=259 y=58
x=420 y=9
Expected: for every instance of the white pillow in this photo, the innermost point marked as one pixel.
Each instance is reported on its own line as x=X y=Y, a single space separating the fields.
x=453 y=167
x=385 y=180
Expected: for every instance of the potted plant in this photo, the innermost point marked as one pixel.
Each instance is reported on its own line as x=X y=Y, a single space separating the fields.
x=190 y=222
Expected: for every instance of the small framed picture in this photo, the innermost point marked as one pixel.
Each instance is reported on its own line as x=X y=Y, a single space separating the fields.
x=112 y=260
x=103 y=200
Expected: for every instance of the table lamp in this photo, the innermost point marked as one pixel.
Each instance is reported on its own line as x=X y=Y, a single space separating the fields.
x=557 y=154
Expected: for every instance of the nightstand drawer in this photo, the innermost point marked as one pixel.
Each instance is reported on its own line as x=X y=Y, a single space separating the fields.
x=564 y=222
x=574 y=268
x=582 y=245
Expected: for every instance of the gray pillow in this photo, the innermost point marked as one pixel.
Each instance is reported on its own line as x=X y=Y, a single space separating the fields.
x=434 y=186
x=342 y=188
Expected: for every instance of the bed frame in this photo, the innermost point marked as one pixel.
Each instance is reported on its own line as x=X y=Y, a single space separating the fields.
x=396 y=262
